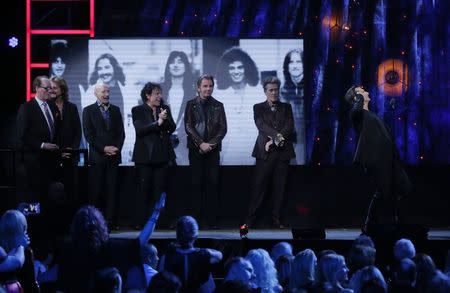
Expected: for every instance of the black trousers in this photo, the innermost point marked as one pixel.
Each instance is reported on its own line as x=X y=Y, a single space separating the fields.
x=271 y=172
x=152 y=181
x=103 y=188
x=205 y=185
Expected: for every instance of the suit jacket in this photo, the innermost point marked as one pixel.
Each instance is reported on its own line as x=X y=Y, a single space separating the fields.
x=33 y=129
x=70 y=130
x=98 y=136
x=153 y=144
x=271 y=123
x=216 y=125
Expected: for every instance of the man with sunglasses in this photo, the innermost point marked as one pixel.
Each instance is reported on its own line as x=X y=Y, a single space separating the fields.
x=37 y=123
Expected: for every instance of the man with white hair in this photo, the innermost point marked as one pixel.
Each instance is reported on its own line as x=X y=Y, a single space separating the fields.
x=104 y=131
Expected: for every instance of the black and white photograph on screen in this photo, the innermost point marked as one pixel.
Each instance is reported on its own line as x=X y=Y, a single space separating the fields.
x=238 y=72
x=126 y=65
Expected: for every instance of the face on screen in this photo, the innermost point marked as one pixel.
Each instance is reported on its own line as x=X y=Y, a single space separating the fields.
x=154 y=99
x=205 y=89
x=272 y=92
x=236 y=71
x=295 y=65
x=105 y=70
x=177 y=67
x=58 y=67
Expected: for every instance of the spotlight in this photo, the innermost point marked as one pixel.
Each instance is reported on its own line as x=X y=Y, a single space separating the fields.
x=13 y=42
x=243 y=231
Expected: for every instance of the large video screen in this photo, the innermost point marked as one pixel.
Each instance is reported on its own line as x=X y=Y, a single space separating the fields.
x=238 y=66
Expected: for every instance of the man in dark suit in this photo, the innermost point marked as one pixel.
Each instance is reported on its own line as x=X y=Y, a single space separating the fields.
x=206 y=126
x=377 y=154
x=38 y=122
x=104 y=131
x=273 y=150
x=153 y=150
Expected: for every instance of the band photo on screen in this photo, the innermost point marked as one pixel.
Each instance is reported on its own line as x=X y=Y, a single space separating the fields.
x=238 y=67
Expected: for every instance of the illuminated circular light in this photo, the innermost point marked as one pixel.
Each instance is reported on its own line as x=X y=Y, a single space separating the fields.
x=393 y=77
x=13 y=42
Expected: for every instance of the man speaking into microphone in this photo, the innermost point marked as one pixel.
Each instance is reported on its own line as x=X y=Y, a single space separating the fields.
x=153 y=151
x=273 y=150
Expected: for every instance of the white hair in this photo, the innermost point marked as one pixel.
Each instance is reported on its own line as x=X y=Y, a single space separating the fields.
x=404 y=248
x=264 y=268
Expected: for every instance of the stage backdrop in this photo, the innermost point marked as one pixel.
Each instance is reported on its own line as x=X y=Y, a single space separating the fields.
x=238 y=65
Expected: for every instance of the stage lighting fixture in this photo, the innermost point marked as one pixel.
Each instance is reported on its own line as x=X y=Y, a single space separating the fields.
x=13 y=42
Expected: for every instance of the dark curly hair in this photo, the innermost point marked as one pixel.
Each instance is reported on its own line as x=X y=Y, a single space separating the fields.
x=148 y=88
x=89 y=231
x=287 y=59
x=118 y=71
x=229 y=56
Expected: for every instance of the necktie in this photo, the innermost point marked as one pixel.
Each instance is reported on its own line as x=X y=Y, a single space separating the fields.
x=49 y=119
x=105 y=114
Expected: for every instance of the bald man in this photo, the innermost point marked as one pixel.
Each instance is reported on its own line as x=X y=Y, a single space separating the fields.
x=104 y=131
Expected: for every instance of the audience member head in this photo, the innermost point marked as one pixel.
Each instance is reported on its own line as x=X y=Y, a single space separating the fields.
x=364 y=240
x=235 y=286
x=372 y=275
x=332 y=269
x=187 y=231
x=426 y=270
x=266 y=274
x=304 y=268
x=404 y=248
x=107 y=70
x=283 y=265
x=164 y=282
x=361 y=256
x=236 y=67
x=406 y=271
x=279 y=249
x=108 y=280
x=238 y=268
x=13 y=230
x=88 y=230
x=439 y=284
x=149 y=255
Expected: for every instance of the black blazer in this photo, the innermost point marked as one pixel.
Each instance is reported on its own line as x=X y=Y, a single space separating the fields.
x=32 y=126
x=216 y=124
x=153 y=144
x=96 y=134
x=70 y=130
x=269 y=124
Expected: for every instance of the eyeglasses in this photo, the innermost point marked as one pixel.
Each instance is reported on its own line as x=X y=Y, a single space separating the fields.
x=45 y=88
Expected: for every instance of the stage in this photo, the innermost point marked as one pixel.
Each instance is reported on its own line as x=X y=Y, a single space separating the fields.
x=436 y=244
x=267 y=234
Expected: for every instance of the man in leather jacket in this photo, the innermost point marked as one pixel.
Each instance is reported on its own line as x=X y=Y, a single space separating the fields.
x=206 y=126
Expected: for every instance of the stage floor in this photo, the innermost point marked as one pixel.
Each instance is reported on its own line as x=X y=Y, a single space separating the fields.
x=266 y=234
